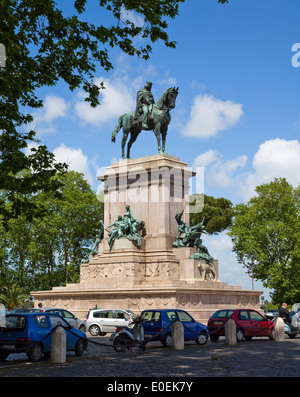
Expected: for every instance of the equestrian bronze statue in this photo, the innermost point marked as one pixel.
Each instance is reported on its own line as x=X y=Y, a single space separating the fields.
x=148 y=116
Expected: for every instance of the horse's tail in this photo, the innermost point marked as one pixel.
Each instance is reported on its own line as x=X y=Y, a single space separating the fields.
x=117 y=128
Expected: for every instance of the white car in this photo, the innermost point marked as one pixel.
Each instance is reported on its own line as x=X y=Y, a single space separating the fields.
x=102 y=321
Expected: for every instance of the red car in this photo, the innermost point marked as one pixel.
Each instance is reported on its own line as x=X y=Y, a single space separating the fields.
x=249 y=323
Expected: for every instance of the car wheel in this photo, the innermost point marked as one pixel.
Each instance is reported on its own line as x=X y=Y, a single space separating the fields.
x=167 y=342
x=94 y=330
x=36 y=352
x=239 y=335
x=82 y=328
x=79 y=348
x=272 y=334
x=202 y=338
x=214 y=338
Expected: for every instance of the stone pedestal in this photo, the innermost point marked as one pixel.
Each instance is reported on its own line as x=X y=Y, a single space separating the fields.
x=156 y=275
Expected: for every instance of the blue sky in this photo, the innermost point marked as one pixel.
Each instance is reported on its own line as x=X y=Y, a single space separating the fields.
x=237 y=113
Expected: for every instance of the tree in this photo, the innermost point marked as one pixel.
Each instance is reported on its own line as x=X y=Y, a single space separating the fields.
x=47 y=251
x=218 y=213
x=44 y=45
x=266 y=233
x=12 y=295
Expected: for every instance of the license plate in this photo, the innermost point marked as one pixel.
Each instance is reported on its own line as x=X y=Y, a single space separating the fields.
x=148 y=335
x=9 y=347
x=218 y=322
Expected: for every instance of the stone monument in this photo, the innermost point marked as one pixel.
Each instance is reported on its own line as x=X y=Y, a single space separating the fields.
x=146 y=254
x=152 y=267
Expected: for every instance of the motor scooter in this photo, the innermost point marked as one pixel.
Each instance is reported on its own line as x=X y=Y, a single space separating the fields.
x=125 y=338
x=292 y=329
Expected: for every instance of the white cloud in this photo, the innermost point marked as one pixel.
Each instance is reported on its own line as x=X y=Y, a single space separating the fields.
x=115 y=100
x=218 y=172
x=205 y=159
x=277 y=158
x=131 y=16
x=30 y=146
x=76 y=160
x=210 y=115
x=54 y=107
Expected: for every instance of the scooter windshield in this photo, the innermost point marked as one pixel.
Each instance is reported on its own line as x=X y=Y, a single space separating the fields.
x=296 y=320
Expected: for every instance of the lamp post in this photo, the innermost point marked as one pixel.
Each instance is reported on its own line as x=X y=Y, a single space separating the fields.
x=67 y=271
x=253 y=263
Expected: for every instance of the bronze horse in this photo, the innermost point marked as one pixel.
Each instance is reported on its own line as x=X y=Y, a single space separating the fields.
x=158 y=122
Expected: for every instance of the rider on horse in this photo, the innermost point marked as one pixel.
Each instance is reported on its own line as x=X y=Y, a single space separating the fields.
x=144 y=105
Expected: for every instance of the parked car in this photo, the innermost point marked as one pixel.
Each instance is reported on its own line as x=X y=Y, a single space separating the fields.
x=102 y=321
x=271 y=313
x=157 y=325
x=70 y=317
x=249 y=323
x=31 y=333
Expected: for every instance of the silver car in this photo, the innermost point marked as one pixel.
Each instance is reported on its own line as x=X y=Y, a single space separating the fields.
x=102 y=321
x=70 y=317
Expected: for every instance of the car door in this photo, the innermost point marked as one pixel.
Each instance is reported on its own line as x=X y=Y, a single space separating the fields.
x=151 y=322
x=107 y=321
x=244 y=321
x=260 y=323
x=41 y=330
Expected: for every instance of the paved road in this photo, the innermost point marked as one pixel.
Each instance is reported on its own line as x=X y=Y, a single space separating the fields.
x=256 y=358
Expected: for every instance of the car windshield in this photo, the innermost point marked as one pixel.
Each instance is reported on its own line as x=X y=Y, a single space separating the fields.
x=222 y=314
x=256 y=316
x=12 y=323
x=184 y=316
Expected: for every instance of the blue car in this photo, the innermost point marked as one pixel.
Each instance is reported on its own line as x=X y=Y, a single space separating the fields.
x=31 y=333
x=157 y=326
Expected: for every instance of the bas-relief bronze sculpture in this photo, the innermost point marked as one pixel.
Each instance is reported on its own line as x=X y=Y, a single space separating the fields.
x=149 y=115
x=190 y=236
x=98 y=239
x=127 y=227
